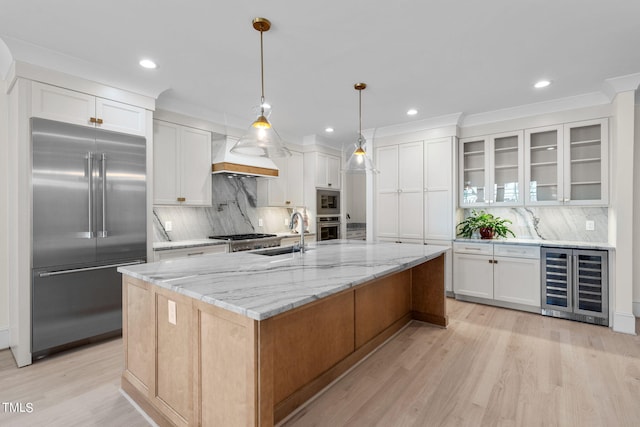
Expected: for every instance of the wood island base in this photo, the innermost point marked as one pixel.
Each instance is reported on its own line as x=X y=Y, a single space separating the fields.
x=189 y=363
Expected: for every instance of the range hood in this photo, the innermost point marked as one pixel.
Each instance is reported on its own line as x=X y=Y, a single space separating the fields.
x=224 y=161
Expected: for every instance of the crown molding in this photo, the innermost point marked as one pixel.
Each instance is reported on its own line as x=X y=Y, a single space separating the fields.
x=613 y=86
x=419 y=125
x=538 y=108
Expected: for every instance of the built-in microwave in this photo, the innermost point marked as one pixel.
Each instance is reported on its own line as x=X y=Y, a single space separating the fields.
x=328 y=202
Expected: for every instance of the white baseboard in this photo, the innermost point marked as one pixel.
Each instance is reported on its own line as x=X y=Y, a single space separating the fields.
x=636 y=309
x=4 y=338
x=624 y=322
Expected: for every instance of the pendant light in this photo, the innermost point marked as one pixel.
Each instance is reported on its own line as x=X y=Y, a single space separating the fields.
x=261 y=139
x=360 y=162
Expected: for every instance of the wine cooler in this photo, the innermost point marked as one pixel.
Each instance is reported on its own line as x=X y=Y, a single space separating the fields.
x=575 y=284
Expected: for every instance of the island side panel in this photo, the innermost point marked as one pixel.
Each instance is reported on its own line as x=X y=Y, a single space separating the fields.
x=174 y=379
x=227 y=368
x=381 y=303
x=137 y=333
x=428 y=292
x=310 y=340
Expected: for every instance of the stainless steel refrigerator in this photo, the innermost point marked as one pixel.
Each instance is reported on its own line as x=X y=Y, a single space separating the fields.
x=89 y=217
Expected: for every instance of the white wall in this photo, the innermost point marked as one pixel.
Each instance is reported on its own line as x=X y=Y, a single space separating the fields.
x=4 y=290
x=621 y=219
x=636 y=215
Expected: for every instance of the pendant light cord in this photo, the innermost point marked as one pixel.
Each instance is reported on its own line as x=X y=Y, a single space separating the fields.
x=360 y=117
x=261 y=74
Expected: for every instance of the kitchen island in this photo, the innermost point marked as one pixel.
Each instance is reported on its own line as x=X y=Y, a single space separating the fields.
x=244 y=339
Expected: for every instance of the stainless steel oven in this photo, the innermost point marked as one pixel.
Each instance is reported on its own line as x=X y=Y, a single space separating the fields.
x=328 y=227
x=328 y=202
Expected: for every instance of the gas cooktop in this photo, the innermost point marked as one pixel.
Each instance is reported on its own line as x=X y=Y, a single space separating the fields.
x=248 y=236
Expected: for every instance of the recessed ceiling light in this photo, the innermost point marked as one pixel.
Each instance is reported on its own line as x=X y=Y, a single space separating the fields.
x=541 y=84
x=147 y=63
x=412 y=112
x=329 y=130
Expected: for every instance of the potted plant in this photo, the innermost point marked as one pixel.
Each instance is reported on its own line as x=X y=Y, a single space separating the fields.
x=488 y=225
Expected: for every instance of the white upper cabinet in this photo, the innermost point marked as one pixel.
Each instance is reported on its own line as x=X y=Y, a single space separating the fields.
x=567 y=164
x=181 y=165
x=286 y=189
x=327 y=171
x=586 y=161
x=491 y=171
x=69 y=106
x=399 y=197
x=438 y=195
x=543 y=165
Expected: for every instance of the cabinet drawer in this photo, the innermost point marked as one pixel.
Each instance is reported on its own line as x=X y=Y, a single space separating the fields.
x=517 y=251
x=473 y=248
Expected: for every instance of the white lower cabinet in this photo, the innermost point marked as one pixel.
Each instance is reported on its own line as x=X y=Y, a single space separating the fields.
x=499 y=274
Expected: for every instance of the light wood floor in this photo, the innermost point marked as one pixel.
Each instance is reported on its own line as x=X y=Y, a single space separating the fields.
x=491 y=367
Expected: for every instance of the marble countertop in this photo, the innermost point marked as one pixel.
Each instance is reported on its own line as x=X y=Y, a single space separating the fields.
x=260 y=287
x=540 y=242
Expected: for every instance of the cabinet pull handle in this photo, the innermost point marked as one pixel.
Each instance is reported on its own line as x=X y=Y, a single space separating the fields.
x=490 y=261
x=495 y=261
x=288 y=202
x=182 y=199
x=195 y=253
x=99 y=121
x=92 y=120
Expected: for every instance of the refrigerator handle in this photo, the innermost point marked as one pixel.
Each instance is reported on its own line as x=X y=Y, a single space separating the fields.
x=103 y=171
x=90 y=235
x=80 y=270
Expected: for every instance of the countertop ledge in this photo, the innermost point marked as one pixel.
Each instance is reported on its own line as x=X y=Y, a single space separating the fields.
x=540 y=242
x=260 y=287
x=183 y=244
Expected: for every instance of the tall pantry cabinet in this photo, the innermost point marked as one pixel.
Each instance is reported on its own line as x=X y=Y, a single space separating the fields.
x=414 y=195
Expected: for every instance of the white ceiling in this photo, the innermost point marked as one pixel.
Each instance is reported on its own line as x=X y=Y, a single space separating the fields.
x=439 y=56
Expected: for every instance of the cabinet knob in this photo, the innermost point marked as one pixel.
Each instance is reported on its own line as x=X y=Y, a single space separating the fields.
x=182 y=199
x=329 y=184
x=99 y=121
x=92 y=120
x=288 y=202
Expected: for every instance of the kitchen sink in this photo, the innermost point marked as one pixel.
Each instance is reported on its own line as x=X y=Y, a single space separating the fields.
x=279 y=250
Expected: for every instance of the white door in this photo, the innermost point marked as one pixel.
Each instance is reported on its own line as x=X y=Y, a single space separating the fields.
x=166 y=160
x=543 y=154
x=333 y=172
x=517 y=280
x=387 y=192
x=473 y=275
x=295 y=175
x=438 y=191
x=63 y=105
x=120 y=117
x=195 y=185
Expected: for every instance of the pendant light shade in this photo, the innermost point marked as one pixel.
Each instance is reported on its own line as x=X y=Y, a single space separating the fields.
x=360 y=162
x=261 y=139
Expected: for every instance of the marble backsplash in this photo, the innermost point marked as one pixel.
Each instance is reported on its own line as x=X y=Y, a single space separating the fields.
x=234 y=211
x=555 y=223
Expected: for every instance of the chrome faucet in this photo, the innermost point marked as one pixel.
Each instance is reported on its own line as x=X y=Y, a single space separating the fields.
x=301 y=220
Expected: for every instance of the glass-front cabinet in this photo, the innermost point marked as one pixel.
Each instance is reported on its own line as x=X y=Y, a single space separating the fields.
x=491 y=170
x=543 y=165
x=474 y=162
x=567 y=164
x=586 y=162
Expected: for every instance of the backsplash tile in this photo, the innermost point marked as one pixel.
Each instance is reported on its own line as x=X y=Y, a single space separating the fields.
x=555 y=223
x=234 y=211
